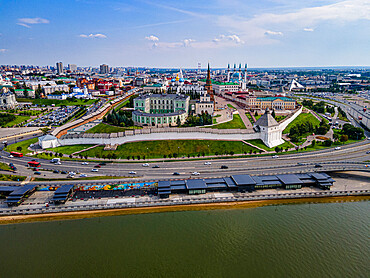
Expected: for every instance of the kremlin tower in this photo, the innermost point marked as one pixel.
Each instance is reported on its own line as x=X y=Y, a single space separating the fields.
x=208 y=85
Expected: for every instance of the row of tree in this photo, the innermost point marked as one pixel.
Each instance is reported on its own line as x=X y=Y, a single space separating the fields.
x=122 y=118
x=300 y=130
x=198 y=120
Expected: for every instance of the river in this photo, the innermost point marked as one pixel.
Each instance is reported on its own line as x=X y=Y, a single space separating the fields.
x=301 y=240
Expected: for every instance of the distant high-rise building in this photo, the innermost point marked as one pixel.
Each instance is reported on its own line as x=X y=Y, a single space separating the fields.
x=59 y=67
x=72 y=67
x=104 y=68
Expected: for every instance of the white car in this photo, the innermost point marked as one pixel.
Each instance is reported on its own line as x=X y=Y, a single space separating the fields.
x=207 y=163
x=132 y=173
x=85 y=163
x=11 y=155
x=58 y=163
x=337 y=148
x=94 y=170
x=145 y=165
x=275 y=156
x=71 y=173
x=83 y=176
x=195 y=173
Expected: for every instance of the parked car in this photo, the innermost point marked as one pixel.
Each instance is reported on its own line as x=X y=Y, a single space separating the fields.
x=207 y=163
x=224 y=167
x=94 y=170
x=195 y=173
x=145 y=165
x=176 y=174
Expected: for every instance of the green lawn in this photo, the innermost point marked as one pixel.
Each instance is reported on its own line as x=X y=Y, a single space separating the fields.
x=280 y=118
x=302 y=118
x=69 y=149
x=24 y=144
x=18 y=120
x=57 y=102
x=260 y=144
x=11 y=178
x=249 y=117
x=235 y=123
x=118 y=107
x=157 y=149
x=231 y=106
x=105 y=128
x=4 y=166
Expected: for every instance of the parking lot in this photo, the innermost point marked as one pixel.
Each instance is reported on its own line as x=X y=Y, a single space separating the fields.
x=54 y=118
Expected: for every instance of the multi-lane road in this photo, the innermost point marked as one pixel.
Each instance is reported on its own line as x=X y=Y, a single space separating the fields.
x=252 y=165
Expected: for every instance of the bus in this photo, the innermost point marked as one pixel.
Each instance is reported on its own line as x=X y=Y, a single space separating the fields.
x=15 y=154
x=34 y=164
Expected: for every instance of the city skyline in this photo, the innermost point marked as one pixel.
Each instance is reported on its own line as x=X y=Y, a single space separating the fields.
x=276 y=33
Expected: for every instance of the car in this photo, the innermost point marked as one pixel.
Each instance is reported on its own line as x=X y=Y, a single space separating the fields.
x=72 y=173
x=37 y=173
x=70 y=177
x=176 y=174
x=132 y=173
x=207 y=163
x=102 y=164
x=97 y=166
x=85 y=163
x=275 y=156
x=94 y=170
x=56 y=171
x=58 y=163
x=145 y=165
x=224 y=167
x=318 y=166
x=337 y=148
x=83 y=176
x=300 y=164
x=11 y=156
x=195 y=173
x=155 y=166
x=63 y=172
x=368 y=152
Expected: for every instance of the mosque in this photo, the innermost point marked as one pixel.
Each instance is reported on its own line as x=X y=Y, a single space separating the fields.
x=237 y=75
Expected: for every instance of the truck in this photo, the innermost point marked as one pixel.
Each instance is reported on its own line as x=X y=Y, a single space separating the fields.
x=55 y=160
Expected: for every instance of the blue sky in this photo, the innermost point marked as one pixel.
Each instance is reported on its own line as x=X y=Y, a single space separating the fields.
x=165 y=33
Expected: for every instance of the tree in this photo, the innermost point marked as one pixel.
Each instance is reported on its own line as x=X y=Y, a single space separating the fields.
x=335 y=136
x=178 y=122
x=19 y=148
x=277 y=149
x=255 y=114
x=273 y=114
x=313 y=143
x=328 y=143
x=343 y=138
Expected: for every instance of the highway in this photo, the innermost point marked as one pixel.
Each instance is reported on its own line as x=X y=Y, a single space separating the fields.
x=252 y=165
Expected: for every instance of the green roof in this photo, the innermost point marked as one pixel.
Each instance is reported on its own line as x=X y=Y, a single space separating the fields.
x=154 y=85
x=273 y=98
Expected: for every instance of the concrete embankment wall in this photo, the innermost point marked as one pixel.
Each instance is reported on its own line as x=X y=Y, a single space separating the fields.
x=287 y=121
x=159 y=136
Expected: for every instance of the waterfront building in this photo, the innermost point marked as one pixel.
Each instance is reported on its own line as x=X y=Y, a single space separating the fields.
x=160 y=109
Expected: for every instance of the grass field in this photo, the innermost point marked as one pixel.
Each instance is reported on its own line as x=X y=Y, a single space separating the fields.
x=249 y=118
x=57 y=102
x=4 y=166
x=235 y=123
x=105 y=128
x=302 y=118
x=118 y=107
x=18 y=120
x=260 y=144
x=69 y=149
x=11 y=178
x=24 y=144
x=231 y=106
x=157 y=149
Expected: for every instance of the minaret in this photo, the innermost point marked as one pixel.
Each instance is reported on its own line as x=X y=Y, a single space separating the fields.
x=228 y=72
x=208 y=85
x=234 y=67
x=245 y=73
x=240 y=71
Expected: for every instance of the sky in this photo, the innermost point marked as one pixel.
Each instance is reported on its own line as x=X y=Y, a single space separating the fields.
x=166 y=33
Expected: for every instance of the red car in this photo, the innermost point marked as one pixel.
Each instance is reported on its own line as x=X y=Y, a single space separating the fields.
x=97 y=166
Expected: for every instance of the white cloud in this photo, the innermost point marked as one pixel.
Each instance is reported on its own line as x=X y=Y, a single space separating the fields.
x=26 y=22
x=308 y=29
x=2 y=50
x=273 y=33
x=234 y=38
x=187 y=42
x=152 y=38
x=93 y=36
x=254 y=30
